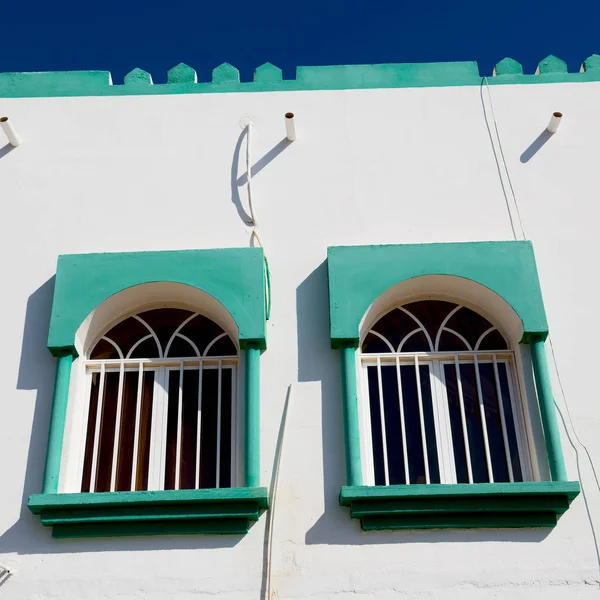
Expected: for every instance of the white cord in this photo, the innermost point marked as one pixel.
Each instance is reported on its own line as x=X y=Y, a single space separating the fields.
x=274 y=484
x=249 y=172
x=512 y=190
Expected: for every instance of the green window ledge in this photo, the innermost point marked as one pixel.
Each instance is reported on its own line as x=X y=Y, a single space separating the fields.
x=439 y=506
x=109 y=514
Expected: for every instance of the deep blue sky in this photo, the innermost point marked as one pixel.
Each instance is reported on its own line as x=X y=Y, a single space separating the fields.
x=47 y=35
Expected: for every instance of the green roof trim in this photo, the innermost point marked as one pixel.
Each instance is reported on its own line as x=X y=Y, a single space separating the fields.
x=267 y=78
x=358 y=275
x=109 y=514
x=439 y=506
x=233 y=276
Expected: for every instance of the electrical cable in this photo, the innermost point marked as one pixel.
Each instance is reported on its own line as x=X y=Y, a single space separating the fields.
x=268 y=592
x=512 y=190
x=554 y=361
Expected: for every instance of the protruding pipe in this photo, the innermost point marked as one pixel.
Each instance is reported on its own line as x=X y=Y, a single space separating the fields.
x=10 y=132
x=290 y=126
x=554 y=122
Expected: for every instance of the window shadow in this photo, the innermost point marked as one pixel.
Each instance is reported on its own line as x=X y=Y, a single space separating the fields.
x=27 y=535
x=535 y=146
x=318 y=362
x=259 y=165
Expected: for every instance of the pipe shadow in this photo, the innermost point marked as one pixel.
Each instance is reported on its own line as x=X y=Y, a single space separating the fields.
x=6 y=149
x=259 y=165
x=36 y=372
x=536 y=146
x=318 y=362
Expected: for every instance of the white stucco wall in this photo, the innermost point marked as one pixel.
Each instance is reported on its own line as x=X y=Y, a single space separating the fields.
x=369 y=166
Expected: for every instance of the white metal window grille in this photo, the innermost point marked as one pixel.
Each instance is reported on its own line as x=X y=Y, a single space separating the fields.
x=441 y=402
x=161 y=406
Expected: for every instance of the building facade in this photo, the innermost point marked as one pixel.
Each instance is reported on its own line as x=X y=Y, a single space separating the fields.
x=307 y=338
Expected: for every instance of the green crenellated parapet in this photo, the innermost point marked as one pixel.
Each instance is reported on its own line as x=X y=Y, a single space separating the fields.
x=551 y=64
x=508 y=66
x=268 y=72
x=591 y=63
x=225 y=73
x=138 y=76
x=182 y=73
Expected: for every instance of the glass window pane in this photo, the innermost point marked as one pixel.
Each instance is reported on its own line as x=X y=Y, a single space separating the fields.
x=394 y=326
x=431 y=442
x=208 y=433
x=181 y=348
x=91 y=428
x=393 y=427
x=376 y=436
x=143 y=461
x=146 y=349
x=449 y=342
x=125 y=334
x=202 y=332
x=373 y=344
x=458 y=438
x=189 y=429
x=226 y=413
x=417 y=342
x=107 y=431
x=509 y=419
x=416 y=463
x=104 y=350
x=172 y=414
x=493 y=421
x=469 y=324
x=493 y=341
x=474 y=425
x=431 y=313
x=127 y=432
x=223 y=347
x=164 y=322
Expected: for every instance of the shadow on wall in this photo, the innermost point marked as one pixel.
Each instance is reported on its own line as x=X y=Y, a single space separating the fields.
x=5 y=150
x=36 y=372
x=318 y=362
x=257 y=167
x=535 y=146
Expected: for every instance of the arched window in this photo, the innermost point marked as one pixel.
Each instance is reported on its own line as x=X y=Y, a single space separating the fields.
x=160 y=405
x=441 y=399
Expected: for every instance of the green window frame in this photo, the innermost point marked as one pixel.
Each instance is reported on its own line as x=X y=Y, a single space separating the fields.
x=358 y=276
x=236 y=279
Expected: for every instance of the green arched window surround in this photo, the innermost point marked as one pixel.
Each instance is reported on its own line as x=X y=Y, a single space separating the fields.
x=358 y=276
x=236 y=279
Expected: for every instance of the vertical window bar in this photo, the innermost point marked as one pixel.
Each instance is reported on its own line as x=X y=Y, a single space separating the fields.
x=218 y=457
x=422 y=420
x=199 y=425
x=179 y=428
x=383 y=434
x=486 y=442
x=116 y=442
x=96 y=450
x=402 y=423
x=502 y=420
x=463 y=418
x=136 y=438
